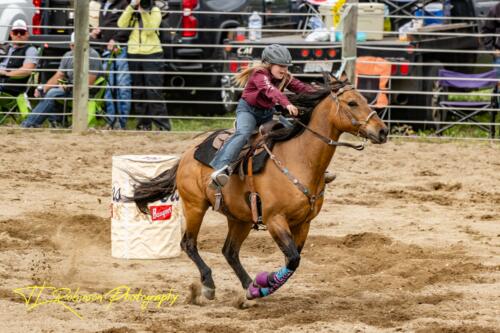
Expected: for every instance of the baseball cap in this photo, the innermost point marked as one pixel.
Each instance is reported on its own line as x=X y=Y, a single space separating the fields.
x=19 y=25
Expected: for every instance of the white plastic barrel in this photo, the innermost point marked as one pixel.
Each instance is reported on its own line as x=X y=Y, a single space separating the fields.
x=135 y=235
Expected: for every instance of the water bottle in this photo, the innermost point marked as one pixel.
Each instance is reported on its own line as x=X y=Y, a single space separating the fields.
x=332 y=35
x=254 y=27
x=387 y=19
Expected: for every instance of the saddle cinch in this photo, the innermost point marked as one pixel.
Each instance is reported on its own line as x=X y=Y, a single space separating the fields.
x=251 y=160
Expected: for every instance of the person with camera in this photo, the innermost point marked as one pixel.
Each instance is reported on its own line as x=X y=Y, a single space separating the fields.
x=113 y=47
x=58 y=87
x=145 y=56
x=19 y=62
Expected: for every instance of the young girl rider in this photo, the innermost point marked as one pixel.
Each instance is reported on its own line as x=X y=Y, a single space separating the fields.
x=264 y=85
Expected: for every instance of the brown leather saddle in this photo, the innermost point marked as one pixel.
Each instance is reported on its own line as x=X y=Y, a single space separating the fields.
x=251 y=160
x=268 y=133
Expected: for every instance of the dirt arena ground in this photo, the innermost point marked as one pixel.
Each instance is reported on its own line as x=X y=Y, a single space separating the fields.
x=408 y=241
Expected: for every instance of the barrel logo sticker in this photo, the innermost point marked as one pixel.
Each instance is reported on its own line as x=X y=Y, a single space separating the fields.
x=161 y=213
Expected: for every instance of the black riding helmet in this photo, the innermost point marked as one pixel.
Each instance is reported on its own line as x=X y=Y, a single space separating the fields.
x=277 y=55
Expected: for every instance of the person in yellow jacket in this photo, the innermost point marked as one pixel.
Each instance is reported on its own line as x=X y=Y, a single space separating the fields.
x=145 y=56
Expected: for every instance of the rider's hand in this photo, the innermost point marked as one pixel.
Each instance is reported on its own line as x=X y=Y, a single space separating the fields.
x=134 y=3
x=3 y=72
x=292 y=109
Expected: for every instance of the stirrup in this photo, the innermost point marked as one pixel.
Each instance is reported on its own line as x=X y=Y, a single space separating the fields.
x=220 y=177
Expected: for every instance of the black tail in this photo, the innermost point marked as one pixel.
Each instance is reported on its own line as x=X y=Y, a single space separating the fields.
x=155 y=189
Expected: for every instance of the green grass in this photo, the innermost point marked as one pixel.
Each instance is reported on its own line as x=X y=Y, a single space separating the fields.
x=195 y=125
x=464 y=131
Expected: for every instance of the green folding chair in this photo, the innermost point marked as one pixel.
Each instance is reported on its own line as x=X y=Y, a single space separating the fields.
x=96 y=105
x=16 y=107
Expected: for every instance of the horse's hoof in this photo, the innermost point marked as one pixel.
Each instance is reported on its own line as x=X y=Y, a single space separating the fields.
x=262 y=280
x=209 y=293
x=253 y=292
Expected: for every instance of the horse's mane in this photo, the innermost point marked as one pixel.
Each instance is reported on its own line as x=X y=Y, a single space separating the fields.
x=307 y=101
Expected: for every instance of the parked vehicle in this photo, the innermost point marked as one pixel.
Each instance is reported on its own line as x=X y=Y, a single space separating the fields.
x=190 y=19
x=12 y=10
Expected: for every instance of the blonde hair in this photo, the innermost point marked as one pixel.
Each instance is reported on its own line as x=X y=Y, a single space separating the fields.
x=243 y=76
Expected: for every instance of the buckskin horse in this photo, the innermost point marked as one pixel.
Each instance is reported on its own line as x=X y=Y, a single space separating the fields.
x=291 y=185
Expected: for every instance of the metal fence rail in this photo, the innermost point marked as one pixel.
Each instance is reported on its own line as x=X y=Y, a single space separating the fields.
x=408 y=106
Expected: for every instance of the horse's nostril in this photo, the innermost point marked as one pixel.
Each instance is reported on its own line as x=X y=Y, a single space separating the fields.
x=383 y=133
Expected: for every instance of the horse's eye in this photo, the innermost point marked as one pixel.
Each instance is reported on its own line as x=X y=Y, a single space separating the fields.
x=352 y=104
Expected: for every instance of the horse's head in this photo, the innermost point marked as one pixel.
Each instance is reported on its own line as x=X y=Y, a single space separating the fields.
x=351 y=113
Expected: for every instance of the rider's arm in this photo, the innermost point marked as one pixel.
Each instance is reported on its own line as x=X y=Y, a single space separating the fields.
x=299 y=87
x=264 y=85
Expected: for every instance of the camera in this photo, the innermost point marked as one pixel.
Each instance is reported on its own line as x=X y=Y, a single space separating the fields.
x=147 y=4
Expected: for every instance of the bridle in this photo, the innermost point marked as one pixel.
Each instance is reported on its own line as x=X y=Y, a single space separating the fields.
x=335 y=96
x=314 y=197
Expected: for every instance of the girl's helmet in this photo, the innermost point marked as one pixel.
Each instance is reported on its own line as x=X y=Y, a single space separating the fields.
x=277 y=55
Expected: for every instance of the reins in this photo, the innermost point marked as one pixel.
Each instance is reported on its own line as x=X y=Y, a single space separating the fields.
x=331 y=142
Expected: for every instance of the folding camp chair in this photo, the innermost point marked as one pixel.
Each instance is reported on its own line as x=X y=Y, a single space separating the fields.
x=466 y=96
x=95 y=104
x=18 y=106
x=373 y=73
x=12 y=106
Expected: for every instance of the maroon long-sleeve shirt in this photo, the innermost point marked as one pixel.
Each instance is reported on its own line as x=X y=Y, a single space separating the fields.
x=262 y=90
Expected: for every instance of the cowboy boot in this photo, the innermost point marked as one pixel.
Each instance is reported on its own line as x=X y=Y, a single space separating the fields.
x=220 y=177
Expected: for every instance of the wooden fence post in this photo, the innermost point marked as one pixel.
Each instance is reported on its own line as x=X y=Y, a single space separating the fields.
x=349 y=31
x=81 y=66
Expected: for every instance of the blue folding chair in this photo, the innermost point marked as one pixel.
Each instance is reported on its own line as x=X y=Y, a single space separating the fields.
x=466 y=96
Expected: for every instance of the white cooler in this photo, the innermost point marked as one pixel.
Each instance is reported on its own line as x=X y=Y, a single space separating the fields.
x=135 y=235
x=370 y=20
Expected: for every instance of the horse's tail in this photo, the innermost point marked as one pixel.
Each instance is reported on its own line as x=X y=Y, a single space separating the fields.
x=155 y=189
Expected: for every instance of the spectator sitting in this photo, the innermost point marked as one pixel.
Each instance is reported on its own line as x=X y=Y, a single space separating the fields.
x=493 y=27
x=56 y=87
x=117 y=99
x=145 y=62
x=20 y=60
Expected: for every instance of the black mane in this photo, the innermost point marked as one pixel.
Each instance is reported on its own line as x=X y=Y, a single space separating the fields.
x=306 y=102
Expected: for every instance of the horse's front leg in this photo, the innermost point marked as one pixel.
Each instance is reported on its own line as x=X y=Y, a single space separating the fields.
x=266 y=283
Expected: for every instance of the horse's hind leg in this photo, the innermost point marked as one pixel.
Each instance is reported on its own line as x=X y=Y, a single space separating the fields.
x=194 y=217
x=237 y=233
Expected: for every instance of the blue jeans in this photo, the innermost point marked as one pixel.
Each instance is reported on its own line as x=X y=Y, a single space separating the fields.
x=247 y=119
x=47 y=105
x=118 y=99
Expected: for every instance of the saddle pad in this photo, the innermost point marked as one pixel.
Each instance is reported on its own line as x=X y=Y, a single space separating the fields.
x=205 y=152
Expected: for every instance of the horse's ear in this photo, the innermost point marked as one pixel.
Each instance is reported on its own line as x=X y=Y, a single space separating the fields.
x=343 y=77
x=327 y=78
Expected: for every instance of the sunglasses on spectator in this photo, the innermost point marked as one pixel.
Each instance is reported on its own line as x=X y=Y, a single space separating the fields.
x=18 y=32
